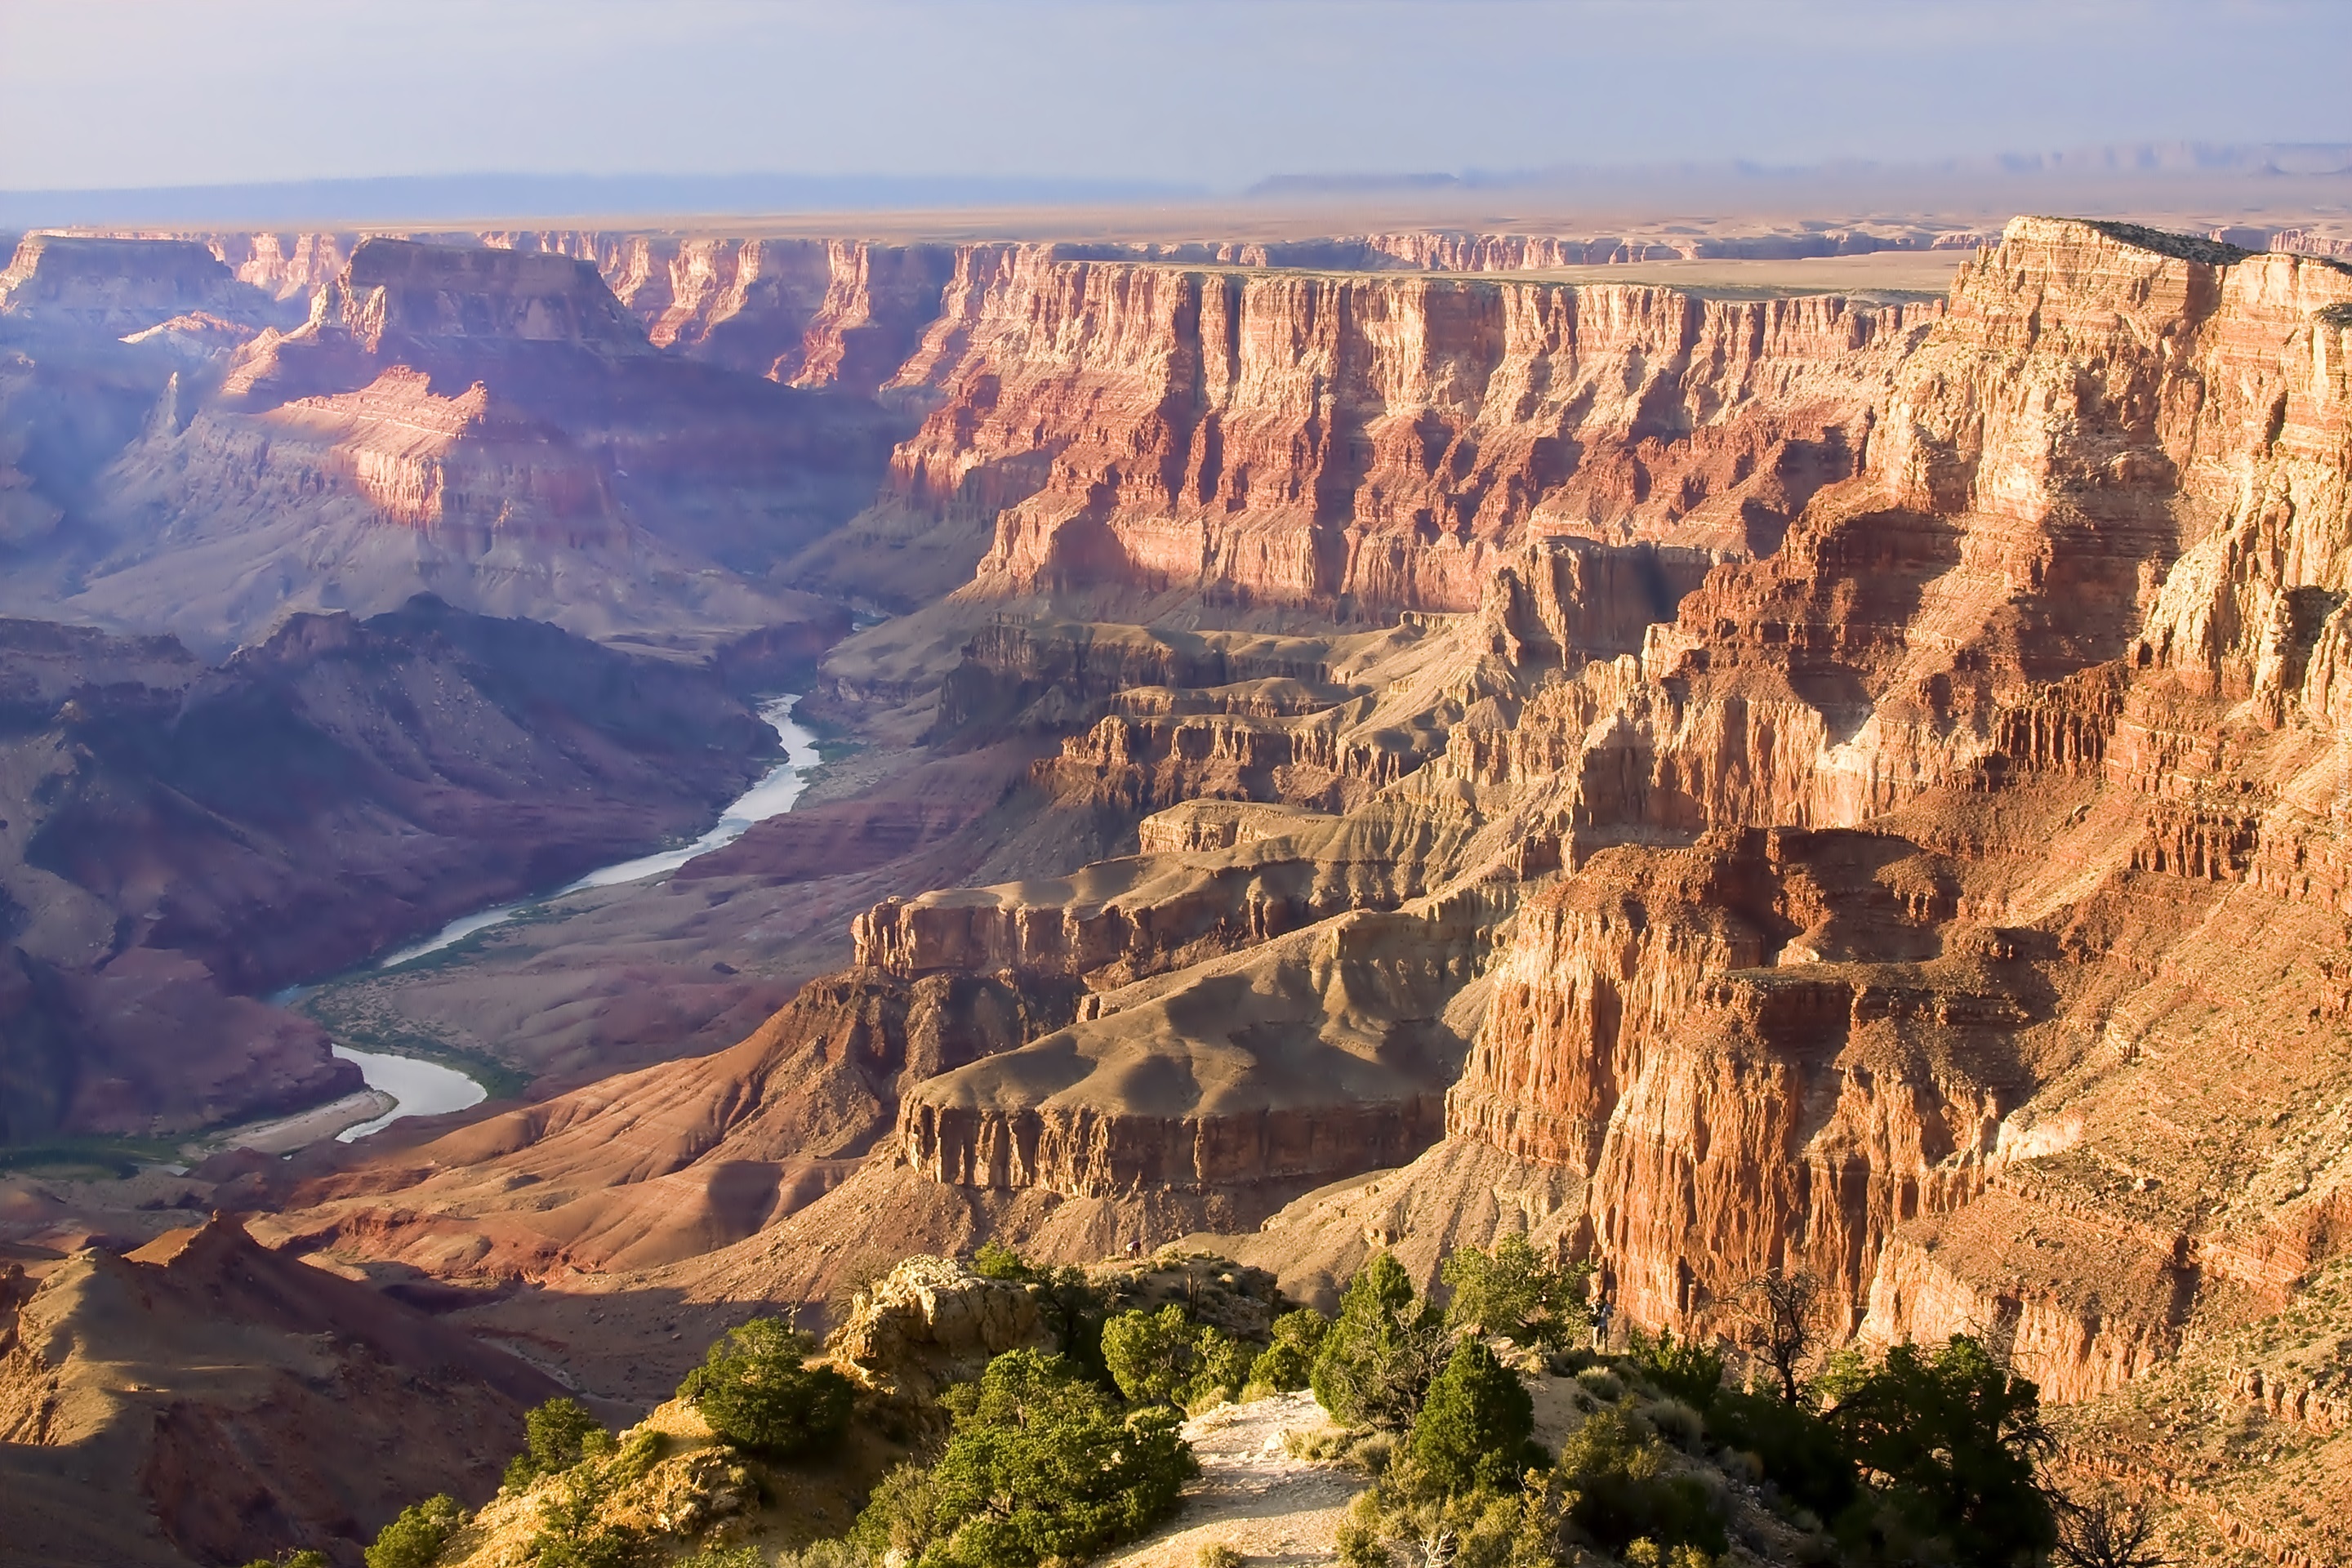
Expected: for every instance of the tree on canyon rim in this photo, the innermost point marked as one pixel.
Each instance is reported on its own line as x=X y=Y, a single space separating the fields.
x=1782 y=1324
x=1507 y=1289
x=1952 y=1434
x=1376 y=1362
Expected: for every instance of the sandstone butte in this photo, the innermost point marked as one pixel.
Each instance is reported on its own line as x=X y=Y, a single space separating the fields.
x=1717 y=785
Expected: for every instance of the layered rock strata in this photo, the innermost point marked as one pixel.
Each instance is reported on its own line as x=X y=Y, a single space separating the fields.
x=1377 y=442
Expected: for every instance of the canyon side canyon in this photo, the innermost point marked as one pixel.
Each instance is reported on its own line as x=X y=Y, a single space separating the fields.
x=1368 y=743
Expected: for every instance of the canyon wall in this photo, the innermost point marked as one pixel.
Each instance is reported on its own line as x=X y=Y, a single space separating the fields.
x=2064 y=652
x=1370 y=443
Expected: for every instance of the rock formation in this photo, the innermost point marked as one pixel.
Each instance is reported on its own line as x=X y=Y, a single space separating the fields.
x=205 y=1398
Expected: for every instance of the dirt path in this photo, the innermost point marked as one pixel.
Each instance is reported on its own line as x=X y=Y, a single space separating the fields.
x=1252 y=1496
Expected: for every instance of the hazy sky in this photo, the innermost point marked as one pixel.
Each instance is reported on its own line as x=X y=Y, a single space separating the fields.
x=1213 y=92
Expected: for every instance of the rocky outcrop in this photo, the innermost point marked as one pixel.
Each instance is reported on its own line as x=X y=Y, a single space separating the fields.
x=2015 y=636
x=489 y=425
x=931 y=1321
x=1253 y=1074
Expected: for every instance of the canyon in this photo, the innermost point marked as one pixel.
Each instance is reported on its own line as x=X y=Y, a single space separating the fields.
x=1362 y=747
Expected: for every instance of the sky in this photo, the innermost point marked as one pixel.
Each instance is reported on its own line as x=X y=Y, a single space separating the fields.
x=1207 y=93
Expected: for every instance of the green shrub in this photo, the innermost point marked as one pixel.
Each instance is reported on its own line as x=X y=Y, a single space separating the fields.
x=899 y=1516
x=1073 y=1310
x=1163 y=1358
x=558 y=1436
x=1218 y=1555
x=1151 y=1355
x=1952 y=1435
x=1623 y=1493
x=1221 y=1368
x=1288 y=1362
x=994 y=1261
x=757 y=1391
x=722 y=1557
x=308 y=1557
x=1413 y=1511
x=1675 y=1422
x=1688 y=1371
x=1472 y=1431
x=574 y=1532
x=1509 y=1291
x=1041 y=1464
x=1376 y=1362
x=815 y=1555
x=416 y=1538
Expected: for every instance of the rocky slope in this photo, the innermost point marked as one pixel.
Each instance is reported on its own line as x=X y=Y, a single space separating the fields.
x=204 y=1399
x=181 y=839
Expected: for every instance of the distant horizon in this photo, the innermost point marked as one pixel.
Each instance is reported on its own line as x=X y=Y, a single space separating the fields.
x=1207 y=95
x=2314 y=176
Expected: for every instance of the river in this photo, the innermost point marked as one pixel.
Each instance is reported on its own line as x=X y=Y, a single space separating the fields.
x=421 y=1088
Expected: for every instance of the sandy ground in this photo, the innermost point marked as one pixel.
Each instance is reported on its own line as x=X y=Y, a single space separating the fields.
x=1251 y=1495
x=283 y=1134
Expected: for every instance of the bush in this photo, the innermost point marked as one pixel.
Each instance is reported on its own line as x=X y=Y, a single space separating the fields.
x=1151 y=1355
x=574 y=1532
x=1509 y=1291
x=1217 y=1554
x=1162 y=1358
x=1601 y=1384
x=1801 y=1453
x=722 y=1557
x=1412 y=1507
x=1073 y=1310
x=416 y=1539
x=1675 y=1422
x=1475 y=1426
x=757 y=1391
x=1041 y=1464
x=815 y=1555
x=1648 y=1554
x=1222 y=1369
x=994 y=1261
x=308 y=1557
x=1621 y=1492
x=1376 y=1362
x=1687 y=1371
x=1953 y=1434
x=1287 y=1363
x=897 y=1518
x=557 y=1436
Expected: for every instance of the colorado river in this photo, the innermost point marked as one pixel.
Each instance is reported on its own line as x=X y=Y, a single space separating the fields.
x=422 y=1088
x=772 y=796
x=418 y=1088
